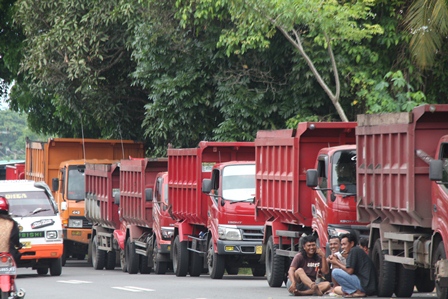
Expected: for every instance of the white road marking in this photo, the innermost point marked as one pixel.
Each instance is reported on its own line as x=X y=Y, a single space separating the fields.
x=74 y=281
x=133 y=289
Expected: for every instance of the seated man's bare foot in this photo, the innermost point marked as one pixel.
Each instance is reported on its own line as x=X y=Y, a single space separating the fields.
x=316 y=290
x=303 y=293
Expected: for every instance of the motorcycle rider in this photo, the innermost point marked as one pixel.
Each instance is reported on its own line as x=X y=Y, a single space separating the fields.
x=9 y=231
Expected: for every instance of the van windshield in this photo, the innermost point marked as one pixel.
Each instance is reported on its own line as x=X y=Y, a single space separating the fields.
x=25 y=203
x=238 y=182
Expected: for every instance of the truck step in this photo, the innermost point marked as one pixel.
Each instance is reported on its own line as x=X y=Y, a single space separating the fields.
x=289 y=234
x=287 y=253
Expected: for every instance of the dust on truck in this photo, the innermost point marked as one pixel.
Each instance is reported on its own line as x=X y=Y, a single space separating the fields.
x=282 y=158
x=399 y=155
x=60 y=162
x=211 y=190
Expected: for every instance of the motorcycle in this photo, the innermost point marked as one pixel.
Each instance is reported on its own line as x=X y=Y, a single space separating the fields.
x=8 y=273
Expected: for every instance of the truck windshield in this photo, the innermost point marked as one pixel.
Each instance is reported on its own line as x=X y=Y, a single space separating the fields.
x=238 y=182
x=25 y=203
x=76 y=184
x=344 y=172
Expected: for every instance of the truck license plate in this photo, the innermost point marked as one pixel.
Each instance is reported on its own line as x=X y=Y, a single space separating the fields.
x=258 y=249
x=26 y=244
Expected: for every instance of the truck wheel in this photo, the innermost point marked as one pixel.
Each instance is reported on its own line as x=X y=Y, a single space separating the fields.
x=159 y=267
x=180 y=257
x=132 y=259
x=195 y=264
x=56 y=267
x=42 y=271
x=89 y=252
x=144 y=265
x=423 y=281
x=405 y=282
x=123 y=264
x=216 y=262
x=111 y=260
x=258 y=270
x=440 y=255
x=98 y=255
x=275 y=265
x=385 y=271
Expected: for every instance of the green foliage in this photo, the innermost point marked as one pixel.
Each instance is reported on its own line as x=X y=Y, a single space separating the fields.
x=13 y=131
x=76 y=68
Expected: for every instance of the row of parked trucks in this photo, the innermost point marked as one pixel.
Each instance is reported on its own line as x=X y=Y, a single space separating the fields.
x=226 y=205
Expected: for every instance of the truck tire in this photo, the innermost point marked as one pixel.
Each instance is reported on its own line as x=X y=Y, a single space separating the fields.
x=5 y=295
x=180 y=257
x=195 y=264
x=405 y=281
x=423 y=281
x=42 y=271
x=275 y=265
x=439 y=254
x=258 y=270
x=111 y=260
x=216 y=263
x=89 y=253
x=56 y=267
x=132 y=259
x=144 y=265
x=159 y=266
x=123 y=264
x=385 y=271
x=98 y=255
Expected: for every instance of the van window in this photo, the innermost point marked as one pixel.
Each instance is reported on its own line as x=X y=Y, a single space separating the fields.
x=25 y=203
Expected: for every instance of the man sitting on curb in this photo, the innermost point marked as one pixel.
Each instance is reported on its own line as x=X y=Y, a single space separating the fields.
x=304 y=275
x=357 y=278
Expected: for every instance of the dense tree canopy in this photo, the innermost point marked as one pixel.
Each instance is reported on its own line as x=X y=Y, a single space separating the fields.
x=181 y=71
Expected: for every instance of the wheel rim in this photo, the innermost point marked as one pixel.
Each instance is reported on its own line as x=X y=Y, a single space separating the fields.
x=175 y=257
x=210 y=256
x=94 y=261
x=155 y=251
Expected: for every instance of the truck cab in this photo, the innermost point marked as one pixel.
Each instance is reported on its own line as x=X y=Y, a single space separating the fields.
x=236 y=235
x=163 y=225
x=334 y=193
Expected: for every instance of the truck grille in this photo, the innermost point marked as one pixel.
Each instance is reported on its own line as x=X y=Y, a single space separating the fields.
x=85 y=223
x=252 y=234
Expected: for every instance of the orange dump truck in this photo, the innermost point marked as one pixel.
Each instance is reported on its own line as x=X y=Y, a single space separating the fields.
x=60 y=162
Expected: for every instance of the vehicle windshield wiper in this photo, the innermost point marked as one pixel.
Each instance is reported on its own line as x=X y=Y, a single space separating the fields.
x=250 y=199
x=38 y=210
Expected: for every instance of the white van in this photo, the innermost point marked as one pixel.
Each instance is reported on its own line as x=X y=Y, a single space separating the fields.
x=33 y=207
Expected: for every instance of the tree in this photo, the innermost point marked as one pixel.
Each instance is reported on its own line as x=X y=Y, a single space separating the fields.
x=76 y=65
x=302 y=22
x=427 y=23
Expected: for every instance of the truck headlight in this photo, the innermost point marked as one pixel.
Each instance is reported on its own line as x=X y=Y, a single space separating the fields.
x=167 y=232
x=51 y=235
x=74 y=223
x=229 y=233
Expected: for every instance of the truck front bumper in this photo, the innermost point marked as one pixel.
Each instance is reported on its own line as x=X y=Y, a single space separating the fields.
x=239 y=247
x=80 y=235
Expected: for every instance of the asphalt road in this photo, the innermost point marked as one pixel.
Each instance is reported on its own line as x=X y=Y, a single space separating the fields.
x=80 y=281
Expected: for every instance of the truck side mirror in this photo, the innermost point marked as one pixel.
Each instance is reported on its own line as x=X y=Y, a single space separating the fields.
x=436 y=170
x=311 y=178
x=54 y=184
x=148 y=194
x=206 y=186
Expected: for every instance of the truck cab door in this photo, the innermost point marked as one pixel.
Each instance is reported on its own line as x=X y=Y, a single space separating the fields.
x=319 y=206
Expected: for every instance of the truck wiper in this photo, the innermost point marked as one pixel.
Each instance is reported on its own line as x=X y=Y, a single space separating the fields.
x=250 y=199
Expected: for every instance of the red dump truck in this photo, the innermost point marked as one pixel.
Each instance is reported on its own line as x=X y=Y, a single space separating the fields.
x=402 y=191
x=211 y=190
x=134 y=231
x=284 y=199
x=15 y=172
x=60 y=162
x=136 y=237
